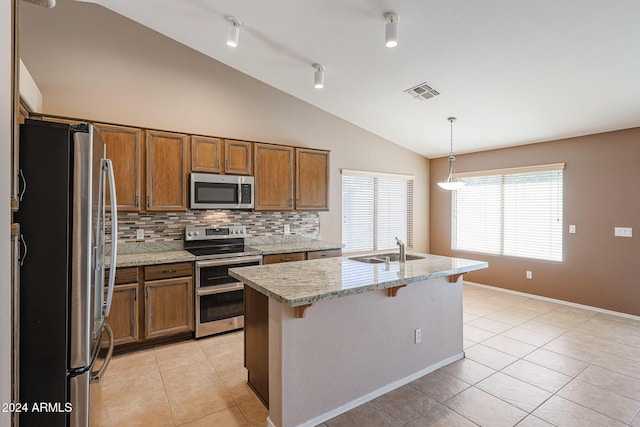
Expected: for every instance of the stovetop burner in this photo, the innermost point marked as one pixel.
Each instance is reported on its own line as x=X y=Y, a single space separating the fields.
x=217 y=242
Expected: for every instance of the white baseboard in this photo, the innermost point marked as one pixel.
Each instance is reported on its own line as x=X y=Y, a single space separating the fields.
x=377 y=393
x=557 y=301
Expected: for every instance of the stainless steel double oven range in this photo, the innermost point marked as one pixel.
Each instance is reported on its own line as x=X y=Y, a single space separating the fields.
x=219 y=297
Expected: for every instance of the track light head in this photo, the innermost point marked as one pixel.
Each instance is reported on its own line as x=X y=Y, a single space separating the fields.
x=233 y=34
x=318 y=76
x=391 y=30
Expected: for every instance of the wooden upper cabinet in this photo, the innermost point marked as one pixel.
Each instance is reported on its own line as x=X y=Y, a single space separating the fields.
x=206 y=154
x=167 y=171
x=23 y=114
x=238 y=157
x=124 y=148
x=273 y=177
x=312 y=180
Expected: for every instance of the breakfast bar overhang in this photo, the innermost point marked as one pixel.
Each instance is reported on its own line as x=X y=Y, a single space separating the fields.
x=338 y=332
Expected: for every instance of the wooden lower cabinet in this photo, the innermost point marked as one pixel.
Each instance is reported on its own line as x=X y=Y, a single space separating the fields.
x=124 y=317
x=256 y=342
x=276 y=258
x=168 y=305
x=164 y=309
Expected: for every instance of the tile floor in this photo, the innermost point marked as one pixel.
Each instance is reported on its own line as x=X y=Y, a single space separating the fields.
x=528 y=363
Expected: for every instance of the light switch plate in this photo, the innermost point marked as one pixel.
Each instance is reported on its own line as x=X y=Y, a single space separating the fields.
x=140 y=234
x=572 y=229
x=287 y=229
x=623 y=232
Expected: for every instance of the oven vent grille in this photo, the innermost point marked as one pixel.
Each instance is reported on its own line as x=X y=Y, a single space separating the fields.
x=422 y=91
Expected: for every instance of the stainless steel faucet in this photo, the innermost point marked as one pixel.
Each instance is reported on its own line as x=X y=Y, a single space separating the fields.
x=403 y=253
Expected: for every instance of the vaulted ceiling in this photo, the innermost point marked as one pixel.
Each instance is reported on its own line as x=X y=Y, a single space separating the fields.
x=512 y=71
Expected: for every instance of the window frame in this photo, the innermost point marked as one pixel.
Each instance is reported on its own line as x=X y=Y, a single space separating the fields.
x=376 y=176
x=549 y=168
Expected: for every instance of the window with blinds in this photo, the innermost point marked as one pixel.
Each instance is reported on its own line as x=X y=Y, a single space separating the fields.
x=376 y=209
x=514 y=212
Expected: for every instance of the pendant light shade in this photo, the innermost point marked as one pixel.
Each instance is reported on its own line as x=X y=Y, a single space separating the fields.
x=233 y=34
x=451 y=183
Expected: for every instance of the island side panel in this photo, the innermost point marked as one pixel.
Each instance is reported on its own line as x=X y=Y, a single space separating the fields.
x=352 y=349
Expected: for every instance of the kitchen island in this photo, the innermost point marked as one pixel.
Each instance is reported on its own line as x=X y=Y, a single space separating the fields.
x=324 y=336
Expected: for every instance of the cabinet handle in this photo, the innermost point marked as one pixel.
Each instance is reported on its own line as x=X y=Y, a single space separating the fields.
x=24 y=254
x=169 y=271
x=290 y=201
x=148 y=201
x=24 y=184
x=298 y=201
x=137 y=201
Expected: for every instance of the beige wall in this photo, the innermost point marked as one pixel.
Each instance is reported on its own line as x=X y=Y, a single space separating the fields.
x=600 y=192
x=5 y=207
x=131 y=75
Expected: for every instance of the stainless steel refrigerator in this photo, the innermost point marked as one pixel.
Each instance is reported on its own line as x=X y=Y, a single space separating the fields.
x=63 y=302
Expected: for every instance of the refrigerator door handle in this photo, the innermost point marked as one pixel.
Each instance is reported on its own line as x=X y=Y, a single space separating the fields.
x=95 y=376
x=114 y=234
x=26 y=249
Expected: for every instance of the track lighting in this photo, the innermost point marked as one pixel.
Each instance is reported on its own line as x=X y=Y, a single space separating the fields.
x=318 y=76
x=234 y=31
x=391 y=30
x=451 y=183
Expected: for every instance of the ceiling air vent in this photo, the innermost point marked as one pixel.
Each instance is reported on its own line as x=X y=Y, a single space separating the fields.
x=422 y=91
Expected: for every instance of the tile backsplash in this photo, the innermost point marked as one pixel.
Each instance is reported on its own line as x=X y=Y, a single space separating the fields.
x=169 y=226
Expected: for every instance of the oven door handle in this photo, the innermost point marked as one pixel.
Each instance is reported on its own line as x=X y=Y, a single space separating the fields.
x=219 y=290
x=228 y=261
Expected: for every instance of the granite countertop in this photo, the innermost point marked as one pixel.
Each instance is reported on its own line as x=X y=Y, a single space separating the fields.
x=304 y=282
x=305 y=246
x=151 y=258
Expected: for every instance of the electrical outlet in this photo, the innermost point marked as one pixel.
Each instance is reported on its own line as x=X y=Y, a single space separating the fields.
x=140 y=234
x=418 y=335
x=623 y=231
x=529 y=275
x=287 y=229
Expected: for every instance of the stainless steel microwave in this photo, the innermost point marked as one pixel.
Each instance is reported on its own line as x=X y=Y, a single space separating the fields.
x=211 y=191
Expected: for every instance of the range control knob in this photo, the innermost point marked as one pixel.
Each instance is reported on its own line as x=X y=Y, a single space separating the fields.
x=190 y=234
x=195 y=233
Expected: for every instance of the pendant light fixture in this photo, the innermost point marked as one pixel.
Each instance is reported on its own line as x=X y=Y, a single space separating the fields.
x=451 y=183
x=233 y=34
x=318 y=76
x=391 y=30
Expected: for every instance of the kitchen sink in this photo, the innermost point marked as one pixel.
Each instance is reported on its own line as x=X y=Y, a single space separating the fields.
x=379 y=258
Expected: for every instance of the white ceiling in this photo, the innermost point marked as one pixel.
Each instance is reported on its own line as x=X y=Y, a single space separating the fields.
x=512 y=71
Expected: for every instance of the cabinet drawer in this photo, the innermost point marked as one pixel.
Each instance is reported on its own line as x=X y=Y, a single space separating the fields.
x=324 y=254
x=273 y=259
x=167 y=271
x=124 y=275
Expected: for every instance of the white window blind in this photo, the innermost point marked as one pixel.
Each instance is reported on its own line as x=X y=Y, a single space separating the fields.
x=376 y=209
x=513 y=212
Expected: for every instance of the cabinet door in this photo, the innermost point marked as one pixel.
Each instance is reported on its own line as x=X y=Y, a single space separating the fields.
x=237 y=156
x=312 y=180
x=167 y=171
x=124 y=148
x=273 y=177
x=123 y=317
x=168 y=306
x=206 y=154
x=23 y=113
